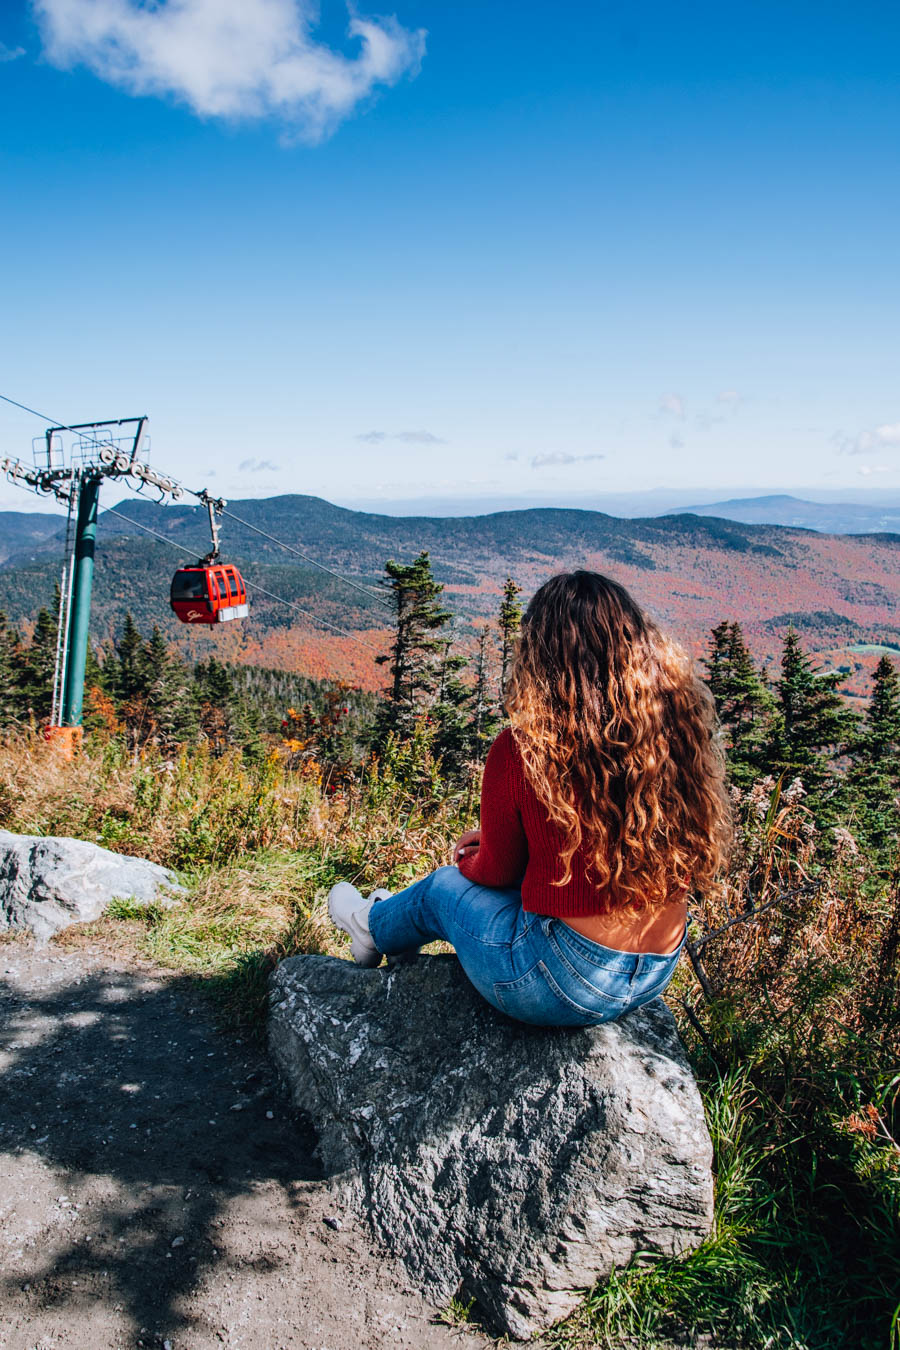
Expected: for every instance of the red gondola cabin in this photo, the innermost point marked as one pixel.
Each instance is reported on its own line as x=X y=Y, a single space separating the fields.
x=213 y=593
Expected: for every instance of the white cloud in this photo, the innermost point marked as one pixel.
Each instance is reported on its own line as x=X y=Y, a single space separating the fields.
x=419 y=438
x=884 y=437
x=729 y=396
x=671 y=403
x=258 y=466
x=239 y=59
x=408 y=437
x=561 y=457
x=868 y=469
x=676 y=441
x=10 y=53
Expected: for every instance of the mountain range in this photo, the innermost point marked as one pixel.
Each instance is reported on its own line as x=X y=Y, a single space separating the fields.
x=780 y=509
x=690 y=570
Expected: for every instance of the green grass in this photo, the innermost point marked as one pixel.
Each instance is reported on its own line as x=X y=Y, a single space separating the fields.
x=126 y=907
x=235 y=923
x=790 y=1263
x=457 y=1313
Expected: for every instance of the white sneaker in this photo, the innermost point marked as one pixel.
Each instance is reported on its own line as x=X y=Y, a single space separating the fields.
x=350 y=912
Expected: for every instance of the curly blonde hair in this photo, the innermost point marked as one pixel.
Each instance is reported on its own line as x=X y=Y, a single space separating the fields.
x=618 y=739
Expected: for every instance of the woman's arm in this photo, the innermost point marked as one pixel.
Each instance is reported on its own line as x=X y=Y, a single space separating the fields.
x=502 y=854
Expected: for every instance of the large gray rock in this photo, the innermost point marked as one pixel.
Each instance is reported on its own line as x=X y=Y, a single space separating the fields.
x=47 y=883
x=510 y=1163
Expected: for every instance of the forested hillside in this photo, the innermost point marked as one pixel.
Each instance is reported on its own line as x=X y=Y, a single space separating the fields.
x=690 y=572
x=21 y=531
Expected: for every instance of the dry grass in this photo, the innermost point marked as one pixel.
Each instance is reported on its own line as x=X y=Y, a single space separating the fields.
x=258 y=847
x=199 y=811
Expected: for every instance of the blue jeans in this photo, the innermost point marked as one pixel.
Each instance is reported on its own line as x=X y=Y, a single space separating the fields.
x=534 y=968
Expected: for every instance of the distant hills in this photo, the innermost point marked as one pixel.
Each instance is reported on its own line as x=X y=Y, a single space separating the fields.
x=23 y=530
x=830 y=517
x=689 y=569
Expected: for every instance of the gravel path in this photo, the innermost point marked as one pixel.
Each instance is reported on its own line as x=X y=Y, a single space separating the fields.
x=157 y=1189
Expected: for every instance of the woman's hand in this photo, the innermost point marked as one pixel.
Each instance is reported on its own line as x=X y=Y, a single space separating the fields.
x=466 y=845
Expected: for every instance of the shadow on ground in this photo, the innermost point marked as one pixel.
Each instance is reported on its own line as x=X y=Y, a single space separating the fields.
x=128 y=1128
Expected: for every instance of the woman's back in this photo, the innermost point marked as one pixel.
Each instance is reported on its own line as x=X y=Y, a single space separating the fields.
x=601 y=808
x=522 y=846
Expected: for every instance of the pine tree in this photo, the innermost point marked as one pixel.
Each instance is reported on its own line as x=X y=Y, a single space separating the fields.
x=875 y=766
x=718 y=666
x=131 y=675
x=743 y=702
x=93 y=670
x=813 y=727
x=37 y=663
x=451 y=716
x=417 y=652
x=882 y=722
x=509 y=622
x=219 y=717
x=10 y=696
x=485 y=722
x=170 y=693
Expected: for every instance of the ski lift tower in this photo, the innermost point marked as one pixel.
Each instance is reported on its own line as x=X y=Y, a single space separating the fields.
x=71 y=463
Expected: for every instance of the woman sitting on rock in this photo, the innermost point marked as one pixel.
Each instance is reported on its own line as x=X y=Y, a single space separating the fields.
x=602 y=807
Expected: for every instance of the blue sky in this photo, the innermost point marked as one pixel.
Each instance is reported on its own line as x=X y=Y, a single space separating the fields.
x=484 y=251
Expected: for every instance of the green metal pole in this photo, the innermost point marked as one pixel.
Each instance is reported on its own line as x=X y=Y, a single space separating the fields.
x=80 y=617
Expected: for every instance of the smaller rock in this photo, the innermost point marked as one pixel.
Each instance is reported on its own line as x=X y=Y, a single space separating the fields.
x=333 y=1223
x=48 y=883
x=178 y=1242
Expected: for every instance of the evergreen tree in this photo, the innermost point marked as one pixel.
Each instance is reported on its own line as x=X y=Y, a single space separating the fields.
x=485 y=721
x=875 y=765
x=170 y=693
x=132 y=675
x=882 y=722
x=718 y=665
x=37 y=663
x=417 y=652
x=10 y=658
x=812 y=728
x=93 y=670
x=219 y=716
x=509 y=622
x=743 y=702
x=108 y=663
x=451 y=716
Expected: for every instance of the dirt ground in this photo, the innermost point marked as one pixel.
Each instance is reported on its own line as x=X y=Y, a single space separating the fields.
x=156 y=1187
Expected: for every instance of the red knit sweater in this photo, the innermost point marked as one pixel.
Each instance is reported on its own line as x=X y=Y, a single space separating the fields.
x=521 y=846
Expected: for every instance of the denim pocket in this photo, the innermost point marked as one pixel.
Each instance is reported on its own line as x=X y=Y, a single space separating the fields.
x=654 y=990
x=536 y=997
